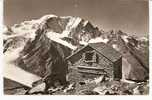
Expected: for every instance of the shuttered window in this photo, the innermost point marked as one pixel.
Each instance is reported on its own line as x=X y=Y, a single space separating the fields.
x=90 y=56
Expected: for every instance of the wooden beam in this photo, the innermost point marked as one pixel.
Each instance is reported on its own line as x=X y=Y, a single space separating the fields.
x=91 y=72
x=92 y=68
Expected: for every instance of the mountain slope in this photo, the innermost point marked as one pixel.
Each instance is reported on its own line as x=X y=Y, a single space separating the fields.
x=135 y=55
x=52 y=38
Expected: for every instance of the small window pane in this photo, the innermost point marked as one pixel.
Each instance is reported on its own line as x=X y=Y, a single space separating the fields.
x=89 y=56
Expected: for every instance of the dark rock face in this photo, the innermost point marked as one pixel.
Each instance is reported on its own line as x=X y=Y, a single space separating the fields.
x=84 y=32
x=12 y=87
x=45 y=58
x=57 y=24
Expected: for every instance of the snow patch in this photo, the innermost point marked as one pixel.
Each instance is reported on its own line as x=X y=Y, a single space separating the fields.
x=26 y=29
x=125 y=38
x=98 y=39
x=44 y=18
x=127 y=81
x=83 y=43
x=99 y=79
x=5 y=29
x=115 y=47
x=57 y=38
x=85 y=23
x=126 y=68
x=73 y=23
x=143 y=39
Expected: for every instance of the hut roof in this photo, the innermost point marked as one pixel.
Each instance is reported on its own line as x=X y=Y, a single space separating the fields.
x=102 y=48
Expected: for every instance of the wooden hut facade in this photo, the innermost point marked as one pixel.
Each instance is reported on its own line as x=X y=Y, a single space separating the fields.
x=97 y=59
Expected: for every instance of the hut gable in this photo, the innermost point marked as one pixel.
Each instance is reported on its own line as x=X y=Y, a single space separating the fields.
x=101 y=48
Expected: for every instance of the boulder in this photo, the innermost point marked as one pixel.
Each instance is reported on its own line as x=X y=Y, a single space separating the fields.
x=88 y=92
x=38 y=89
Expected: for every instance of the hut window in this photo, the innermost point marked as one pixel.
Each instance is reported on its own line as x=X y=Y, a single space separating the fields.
x=90 y=56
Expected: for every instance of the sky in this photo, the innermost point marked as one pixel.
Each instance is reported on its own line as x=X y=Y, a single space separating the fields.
x=130 y=16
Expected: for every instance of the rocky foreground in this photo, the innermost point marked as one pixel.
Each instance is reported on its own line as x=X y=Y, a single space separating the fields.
x=86 y=87
x=42 y=45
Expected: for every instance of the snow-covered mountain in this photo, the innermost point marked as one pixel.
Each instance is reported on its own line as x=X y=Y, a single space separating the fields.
x=40 y=38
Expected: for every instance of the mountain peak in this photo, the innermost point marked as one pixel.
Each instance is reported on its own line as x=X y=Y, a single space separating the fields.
x=66 y=33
